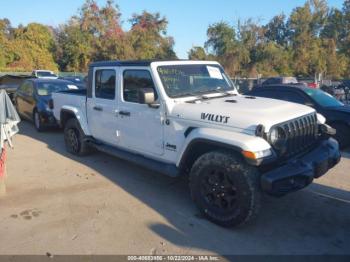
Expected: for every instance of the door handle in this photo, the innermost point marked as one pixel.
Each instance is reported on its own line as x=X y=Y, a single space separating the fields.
x=124 y=113
x=98 y=108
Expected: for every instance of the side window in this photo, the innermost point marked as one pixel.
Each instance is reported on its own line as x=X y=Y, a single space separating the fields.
x=133 y=80
x=27 y=88
x=22 y=87
x=105 y=83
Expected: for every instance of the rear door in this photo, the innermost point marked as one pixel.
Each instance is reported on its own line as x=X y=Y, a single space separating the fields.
x=102 y=105
x=140 y=126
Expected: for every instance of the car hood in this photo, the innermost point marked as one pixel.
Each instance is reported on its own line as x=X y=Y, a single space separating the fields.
x=240 y=112
x=344 y=109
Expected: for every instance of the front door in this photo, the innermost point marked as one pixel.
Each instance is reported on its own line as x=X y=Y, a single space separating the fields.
x=25 y=100
x=140 y=126
x=102 y=105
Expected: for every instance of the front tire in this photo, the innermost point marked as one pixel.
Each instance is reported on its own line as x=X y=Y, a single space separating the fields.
x=74 y=138
x=225 y=188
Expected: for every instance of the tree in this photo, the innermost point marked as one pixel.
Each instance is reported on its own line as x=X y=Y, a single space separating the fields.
x=148 y=37
x=197 y=53
x=221 y=38
x=5 y=56
x=276 y=30
x=96 y=34
x=32 y=48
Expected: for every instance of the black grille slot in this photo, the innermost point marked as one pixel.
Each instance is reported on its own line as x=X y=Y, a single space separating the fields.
x=301 y=134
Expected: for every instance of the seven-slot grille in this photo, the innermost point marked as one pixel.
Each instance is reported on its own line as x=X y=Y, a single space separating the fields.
x=301 y=134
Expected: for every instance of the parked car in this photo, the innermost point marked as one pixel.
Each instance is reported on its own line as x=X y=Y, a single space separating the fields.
x=78 y=81
x=308 y=82
x=280 y=80
x=345 y=85
x=46 y=74
x=187 y=118
x=33 y=100
x=336 y=113
x=336 y=91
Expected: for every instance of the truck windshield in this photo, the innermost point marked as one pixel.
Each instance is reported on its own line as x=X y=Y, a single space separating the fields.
x=193 y=80
x=323 y=98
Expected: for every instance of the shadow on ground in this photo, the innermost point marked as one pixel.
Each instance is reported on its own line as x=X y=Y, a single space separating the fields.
x=305 y=222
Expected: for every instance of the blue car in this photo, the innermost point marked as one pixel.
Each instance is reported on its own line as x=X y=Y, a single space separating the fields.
x=33 y=100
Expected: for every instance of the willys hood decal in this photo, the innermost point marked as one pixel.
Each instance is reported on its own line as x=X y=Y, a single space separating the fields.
x=241 y=112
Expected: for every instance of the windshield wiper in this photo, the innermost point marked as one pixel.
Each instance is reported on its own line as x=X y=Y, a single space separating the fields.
x=202 y=95
x=223 y=94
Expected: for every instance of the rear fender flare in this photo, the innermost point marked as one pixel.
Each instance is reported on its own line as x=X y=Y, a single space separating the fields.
x=79 y=116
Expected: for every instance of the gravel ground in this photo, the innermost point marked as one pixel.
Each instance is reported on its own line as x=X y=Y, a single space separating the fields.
x=62 y=204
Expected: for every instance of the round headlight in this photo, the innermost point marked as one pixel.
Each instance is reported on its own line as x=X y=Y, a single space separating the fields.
x=277 y=137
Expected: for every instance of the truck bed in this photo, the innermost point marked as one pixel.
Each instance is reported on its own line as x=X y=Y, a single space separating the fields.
x=75 y=99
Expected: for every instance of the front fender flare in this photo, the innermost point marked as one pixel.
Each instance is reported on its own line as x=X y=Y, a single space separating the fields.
x=223 y=138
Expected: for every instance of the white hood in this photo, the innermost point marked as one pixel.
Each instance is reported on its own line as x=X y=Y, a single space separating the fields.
x=240 y=112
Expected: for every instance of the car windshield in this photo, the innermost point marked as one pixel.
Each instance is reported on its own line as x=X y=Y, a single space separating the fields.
x=45 y=74
x=193 y=80
x=323 y=98
x=46 y=89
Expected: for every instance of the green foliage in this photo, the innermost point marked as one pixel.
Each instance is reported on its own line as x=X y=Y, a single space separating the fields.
x=26 y=48
x=197 y=53
x=314 y=39
x=95 y=33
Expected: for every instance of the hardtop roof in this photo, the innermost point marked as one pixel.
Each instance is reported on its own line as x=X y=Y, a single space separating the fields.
x=135 y=62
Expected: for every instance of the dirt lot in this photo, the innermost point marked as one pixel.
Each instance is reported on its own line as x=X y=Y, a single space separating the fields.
x=100 y=205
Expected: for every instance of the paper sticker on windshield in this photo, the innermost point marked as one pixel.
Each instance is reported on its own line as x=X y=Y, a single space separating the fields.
x=72 y=87
x=214 y=72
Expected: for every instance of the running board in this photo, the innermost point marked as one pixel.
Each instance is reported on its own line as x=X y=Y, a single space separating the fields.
x=157 y=166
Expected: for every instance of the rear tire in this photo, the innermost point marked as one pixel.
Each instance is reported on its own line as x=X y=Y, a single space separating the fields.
x=342 y=135
x=225 y=188
x=74 y=138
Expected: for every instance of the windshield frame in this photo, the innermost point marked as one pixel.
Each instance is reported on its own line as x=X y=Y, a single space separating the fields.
x=190 y=94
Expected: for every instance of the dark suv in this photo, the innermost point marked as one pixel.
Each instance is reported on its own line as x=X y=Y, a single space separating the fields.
x=336 y=113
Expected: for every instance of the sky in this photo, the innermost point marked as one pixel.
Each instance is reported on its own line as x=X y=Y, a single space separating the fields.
x=188 y=19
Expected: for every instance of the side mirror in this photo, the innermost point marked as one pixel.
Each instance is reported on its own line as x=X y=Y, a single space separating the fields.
x=147 y=96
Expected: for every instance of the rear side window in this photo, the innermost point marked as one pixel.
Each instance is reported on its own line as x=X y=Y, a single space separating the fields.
x=105 y=83
x=26 y=88
x=133 y=81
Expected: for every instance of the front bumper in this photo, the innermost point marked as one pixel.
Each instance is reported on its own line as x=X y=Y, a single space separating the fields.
x=299 y=172
x=48 y=119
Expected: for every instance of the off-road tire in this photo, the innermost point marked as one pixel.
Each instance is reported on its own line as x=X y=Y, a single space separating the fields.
x=74 y=139
x=245 y=190
x=342 y=135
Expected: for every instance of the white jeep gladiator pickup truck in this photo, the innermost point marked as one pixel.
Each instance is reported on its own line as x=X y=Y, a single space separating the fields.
x=186 y=117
